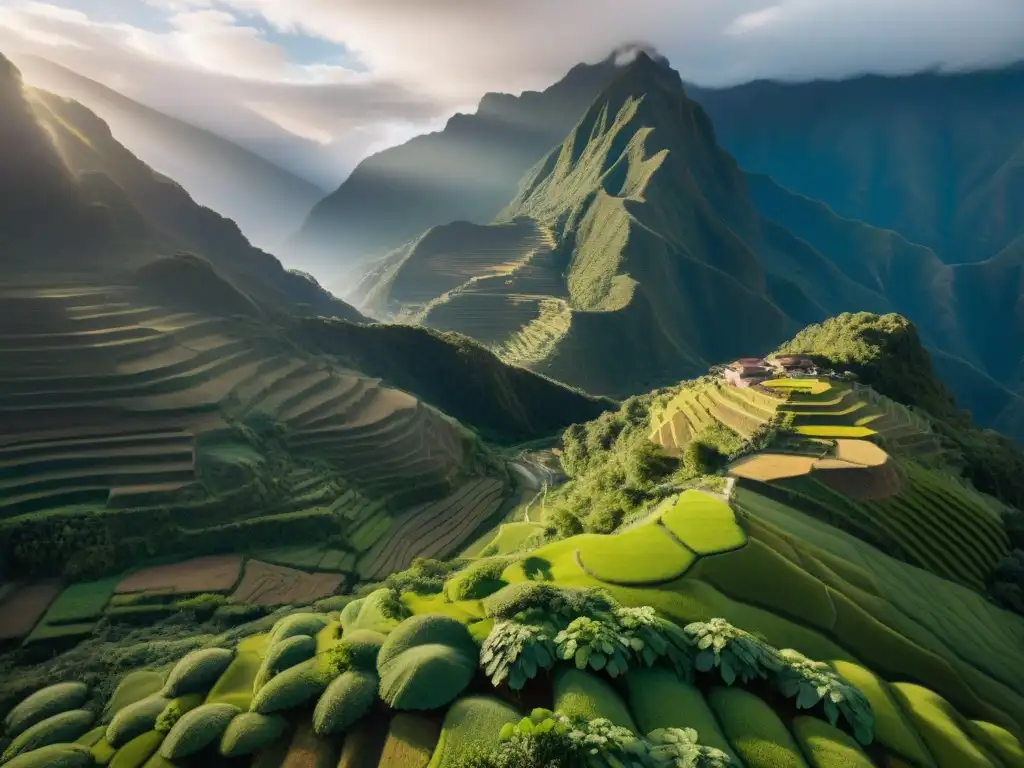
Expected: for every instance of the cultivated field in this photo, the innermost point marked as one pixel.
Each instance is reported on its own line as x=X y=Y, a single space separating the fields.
x=266 y=584
x=218 y=573
x=23 y=607
x=113 y=402
x=434 y=530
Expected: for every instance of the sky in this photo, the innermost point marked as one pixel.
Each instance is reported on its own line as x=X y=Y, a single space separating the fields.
x=316 y=85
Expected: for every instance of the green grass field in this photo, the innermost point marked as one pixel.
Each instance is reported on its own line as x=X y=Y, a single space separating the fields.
x=643 y=555
x=703 y=523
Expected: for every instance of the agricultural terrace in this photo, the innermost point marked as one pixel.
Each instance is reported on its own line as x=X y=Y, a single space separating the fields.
x=114 y=406
x=434 y=530
x=858 y=469
x=449 y=686
x=816 y=408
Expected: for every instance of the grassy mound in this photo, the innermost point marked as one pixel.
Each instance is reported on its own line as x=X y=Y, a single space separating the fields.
x=755 y=732
x=56 y=729
x=250 y=732
x=197 y=729
x=704 y=524
x=471 y=723
x=50 y=701
x=583 y=695
x=347 y=699
x=197 y=672
x=425 y=676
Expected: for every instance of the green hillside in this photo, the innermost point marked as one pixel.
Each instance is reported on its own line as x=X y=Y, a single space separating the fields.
x=699 y=602
x=648 y=244
x=173 y=429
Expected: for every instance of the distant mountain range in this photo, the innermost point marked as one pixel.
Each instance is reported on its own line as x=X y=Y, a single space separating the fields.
x=938 y=158
x=639 y=239
x=266 y=201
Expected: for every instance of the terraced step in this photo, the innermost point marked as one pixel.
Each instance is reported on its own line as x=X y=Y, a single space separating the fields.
x=96 y=457
x=27 y=449
x=50 y=488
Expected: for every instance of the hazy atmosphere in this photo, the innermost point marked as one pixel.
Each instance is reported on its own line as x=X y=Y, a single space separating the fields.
x=315 y=85
x=519 y=384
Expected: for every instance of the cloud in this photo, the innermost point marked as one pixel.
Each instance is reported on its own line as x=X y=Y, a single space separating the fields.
x=257 y=71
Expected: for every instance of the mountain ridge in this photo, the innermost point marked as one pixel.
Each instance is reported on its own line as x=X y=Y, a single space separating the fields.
x=265 y=200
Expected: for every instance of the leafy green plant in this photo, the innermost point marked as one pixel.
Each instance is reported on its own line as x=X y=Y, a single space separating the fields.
x=652 y=638
x=553 y=736
x=517 y=652
x=811 y=682
x=735 y=653
x=594 y=643
x=678 y=748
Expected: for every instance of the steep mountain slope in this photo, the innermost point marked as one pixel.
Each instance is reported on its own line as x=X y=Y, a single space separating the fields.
x=467 y=171
x=936 y=157
x=148 y=214
x=649 y=246
x=158 y=404
x=655 y=610
x=267 y=202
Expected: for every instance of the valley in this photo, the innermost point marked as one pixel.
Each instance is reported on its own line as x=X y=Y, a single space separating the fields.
x=618 y=452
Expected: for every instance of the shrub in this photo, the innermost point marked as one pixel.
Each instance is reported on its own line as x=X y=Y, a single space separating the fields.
x=293 y=687
x=173 y=711
x=381 y=611
x=43 y=704
x=197 y=672
x=425 y=677
x=424 y=577
x=358 y=649
x=531 y=597
x=735 y=653
x=54 y=756
x=250 y=732
x=197 y=729
x=479 y=580
x=563 y=523
x=426 y=629
x=206 y=603
x=135 y=719
x=298 y=624
x=517 y=652
x=58 y=729
x=333 y=603
x=546 y=738
x=345 y=701
x=811 y=682
x=283 y=655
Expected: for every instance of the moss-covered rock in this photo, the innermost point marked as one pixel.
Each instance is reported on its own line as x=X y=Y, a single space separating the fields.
x=58 y=729
x=42 y=704
x=135 y=719
x=345 y=701
x=283 y=655
x=54 y=756
x=197 y=729
x=250 y=732
x=425 y=677
x=293 y=687
x=197 y=672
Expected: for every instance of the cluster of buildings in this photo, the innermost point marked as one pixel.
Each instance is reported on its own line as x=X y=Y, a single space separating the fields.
x=753 y=370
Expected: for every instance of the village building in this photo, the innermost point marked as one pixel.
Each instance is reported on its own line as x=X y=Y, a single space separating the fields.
x=747 y=371
x=793 y=365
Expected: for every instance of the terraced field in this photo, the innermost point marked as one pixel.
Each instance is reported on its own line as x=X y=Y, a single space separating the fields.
x=186 y=434
x=938 y=668
x=433 y=530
